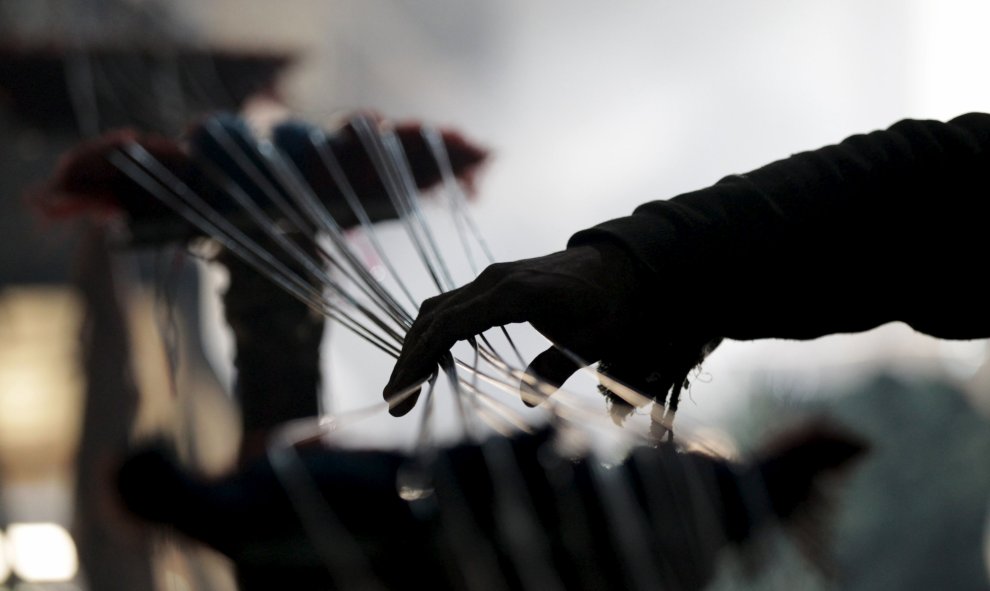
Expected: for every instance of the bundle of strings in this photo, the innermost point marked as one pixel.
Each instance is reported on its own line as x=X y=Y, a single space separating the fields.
x=509 y=508
x=269 y=203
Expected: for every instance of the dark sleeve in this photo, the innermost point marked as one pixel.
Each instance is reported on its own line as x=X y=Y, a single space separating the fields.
x=891 y=225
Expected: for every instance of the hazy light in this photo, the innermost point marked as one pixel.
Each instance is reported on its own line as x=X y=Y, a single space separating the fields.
x=41 y=552
x=4 y=567
x=41 y=388
x=712 y=442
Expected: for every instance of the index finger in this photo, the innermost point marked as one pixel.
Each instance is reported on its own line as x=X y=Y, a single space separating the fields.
x=460 y=315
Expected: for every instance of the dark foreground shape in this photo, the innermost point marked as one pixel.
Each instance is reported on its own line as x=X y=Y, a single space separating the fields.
x=506 y=514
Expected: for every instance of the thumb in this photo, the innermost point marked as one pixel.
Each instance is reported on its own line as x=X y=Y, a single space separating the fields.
x=550 y=368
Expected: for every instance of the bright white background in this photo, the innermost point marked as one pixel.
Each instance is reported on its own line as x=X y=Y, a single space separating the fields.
x=591 y=108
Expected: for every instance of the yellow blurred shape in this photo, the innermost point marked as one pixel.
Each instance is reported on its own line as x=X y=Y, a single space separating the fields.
x=40 y=379
x=42 y=552
x=150 y=364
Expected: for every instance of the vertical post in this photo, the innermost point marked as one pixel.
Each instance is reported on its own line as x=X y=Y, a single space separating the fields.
x=277 y=358
x=115 y=554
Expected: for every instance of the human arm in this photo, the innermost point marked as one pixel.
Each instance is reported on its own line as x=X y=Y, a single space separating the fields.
x=881 y=227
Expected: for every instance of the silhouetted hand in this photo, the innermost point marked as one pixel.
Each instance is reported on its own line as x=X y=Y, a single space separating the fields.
x=586 y=299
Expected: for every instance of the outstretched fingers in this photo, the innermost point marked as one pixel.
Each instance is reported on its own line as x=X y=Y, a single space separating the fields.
x=443 y=321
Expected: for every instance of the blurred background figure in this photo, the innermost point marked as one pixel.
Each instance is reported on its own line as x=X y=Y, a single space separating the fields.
x=589 y=110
